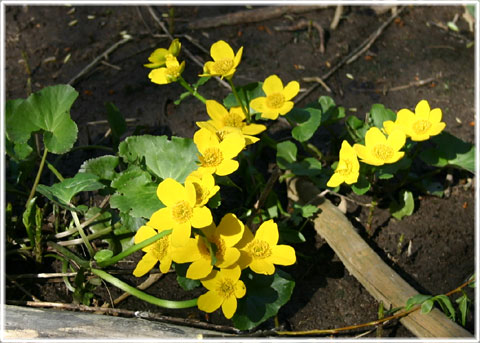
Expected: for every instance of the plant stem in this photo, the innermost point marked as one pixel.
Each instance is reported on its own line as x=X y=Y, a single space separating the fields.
x=141 y=295
x=192 y=91
x=370 y=217
x=89 y=237
x=55 y=171
x=37 y=178
x=70 y=255
x=90 y=249
x=132 y=249
x=244 y=110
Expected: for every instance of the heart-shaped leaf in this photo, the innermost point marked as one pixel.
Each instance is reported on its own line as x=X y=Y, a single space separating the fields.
x=103 y=166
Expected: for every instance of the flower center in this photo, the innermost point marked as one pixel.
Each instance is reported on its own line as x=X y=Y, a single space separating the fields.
x=275 y=100
x=172 y=72
x=346 y=169
x=223 y=66
x=233 y=120
x=421 y=126
x=212 y=157
x=182 y=212
x=382 y=152
x=220 y=244
x=226 y=288
x=259 y=249
x=160 y=247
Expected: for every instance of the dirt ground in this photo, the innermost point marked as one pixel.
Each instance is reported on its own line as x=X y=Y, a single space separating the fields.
x=60 y=41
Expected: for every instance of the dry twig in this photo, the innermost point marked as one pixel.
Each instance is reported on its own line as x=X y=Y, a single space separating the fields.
x=301 y=24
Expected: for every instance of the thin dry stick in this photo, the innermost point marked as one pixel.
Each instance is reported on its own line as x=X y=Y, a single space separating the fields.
x=20 y=287
x=98 y=59
x=353 y=55
x=187 y=52
x=336 y=17
x=318 y=80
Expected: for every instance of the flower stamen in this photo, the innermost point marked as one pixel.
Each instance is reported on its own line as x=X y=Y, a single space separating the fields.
x=421 y=126
x=223 y=66
x=259 y=249
x=182 y=212
x=383 y=152
x=212 y=157
x=275 y=100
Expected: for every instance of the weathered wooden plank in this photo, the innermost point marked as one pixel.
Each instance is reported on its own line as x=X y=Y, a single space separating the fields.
x=381 y=281
x=24 y=323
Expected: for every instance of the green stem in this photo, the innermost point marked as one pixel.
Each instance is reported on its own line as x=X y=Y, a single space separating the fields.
x=144 y=296
x=89 y=237
x=235 y=93
x=70 y=255
x=90 y=249
x=37 y=178
x=132 y=249
x=191 y=90
x=55 y=171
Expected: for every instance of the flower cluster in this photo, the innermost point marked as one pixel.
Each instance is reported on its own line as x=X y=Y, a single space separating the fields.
x=217 y=253
x=384 y=147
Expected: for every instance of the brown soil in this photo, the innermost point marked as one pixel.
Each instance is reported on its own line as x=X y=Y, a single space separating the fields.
x=413 y=47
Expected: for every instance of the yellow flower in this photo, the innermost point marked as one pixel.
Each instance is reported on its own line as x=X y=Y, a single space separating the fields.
x=205 y=187
x=224 y=288
x=348 y=167
x=419 y=126
x=158 y=57
x=378 y=149
x=261 y=252
x=277 y=99
x=180 y=213
x=159 y=251
x=224 y=122
x=217 y=157
x=169 y=74
x=224 y=62
x=224 y=236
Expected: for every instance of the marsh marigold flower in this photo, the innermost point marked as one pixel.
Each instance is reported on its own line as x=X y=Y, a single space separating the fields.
x=261 y=252
x=180 y=213
x=224 y=288
x=217 y=157
x=224 y=236
x=419 y=126
x=159 y=251
x=277 y=99
x=348 y=167
x=158 y=57
x=378 y=149
x=225 y=61
x=224 y=122
x=168 y=74
x=205 y=186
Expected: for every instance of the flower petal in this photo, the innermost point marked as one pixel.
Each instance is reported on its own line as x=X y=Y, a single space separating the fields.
x=246 y=238
x=188 y=252
x=253 y=129
x=216 y=111
x=435 y=115
x=272 y=84
x=162 y=219
x=181 y=234
x=262 y=267
x=209 y=302
x=283 y=255
x=230 y=229
x=230 y=256
x=258 y=104
x=335 y=180
x=191 y=193
x=286 y=107
x=361 y=151
x=165 y=264
x=211 y=280
x=238 y=57
x=202 y=217
x=396 y=140
x=144 y=233
x=229 y=307
x=270 y=114
x=396 y=156
x=227 y=167
x=231 y=273
x=170 y=192
x=291 y=90
x=221 y=50
x=240 y=289
x=422 y=110
x=374 y=136
x=146 y=264
x=436 y=129
x=158 y=76
x=231 y=145
x=199 y=269
x=205 y=139
x=268 y=232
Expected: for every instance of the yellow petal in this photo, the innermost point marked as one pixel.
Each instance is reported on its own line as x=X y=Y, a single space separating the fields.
x=209 y=302
x=230 y=256
x=272 y=84
x=352 y=178
x=208 y=125
x=246 y=238
x=435 y=115
x=268 y=232
x=436 y=129
x=361 y=151
x=230 y=229
x=405 y=118
x=270 y=114
x=253 y=129
x=396 y=140
x=258 y=104
x=165 y=264
x=231 y=145
x=205 y=139
x=181 y=234
x=210 y=282
x=240 y=289
x=191 y=194
x=221 y=50
x=422 y=110
x=229 y=307
x=291 y=90
x=188 y=252
x=237 y=110
x=286 y=107
x=159 y=76
x=170 y=192
x=144 y=233
x=199 y=269
x=146 y=264
x=227 y=167
x=216 y=111
x=374 y=136
x=388 y=126
x=262 y=267
x=244 y=260
x=396 y=156
x=335 y=180
x=283 y=255
x=202 y=217
x=238 y=57
x=161 y=219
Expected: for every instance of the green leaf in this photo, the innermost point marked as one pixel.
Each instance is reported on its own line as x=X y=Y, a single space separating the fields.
x=307 y=167
x=306 y=211
x=175 y=158
x=427 y=306
x=463 y=303
x=136 y=193
x=356 y=128
x=361 y=186
x=450 y=150
x=404 y=207
x=265 y=295
x=117 y=122
x=286 y=154
x=291 y=235
x=184 y=282
x=18 y=151
x=64 y=191
x=103 y=255
x=387 y=171
x=330 y=112
x=103 y=166
x=446 y=305
x=307 y=119
x=28 y=219
x=47 y=111
x=415 y=300
x=379 y=114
